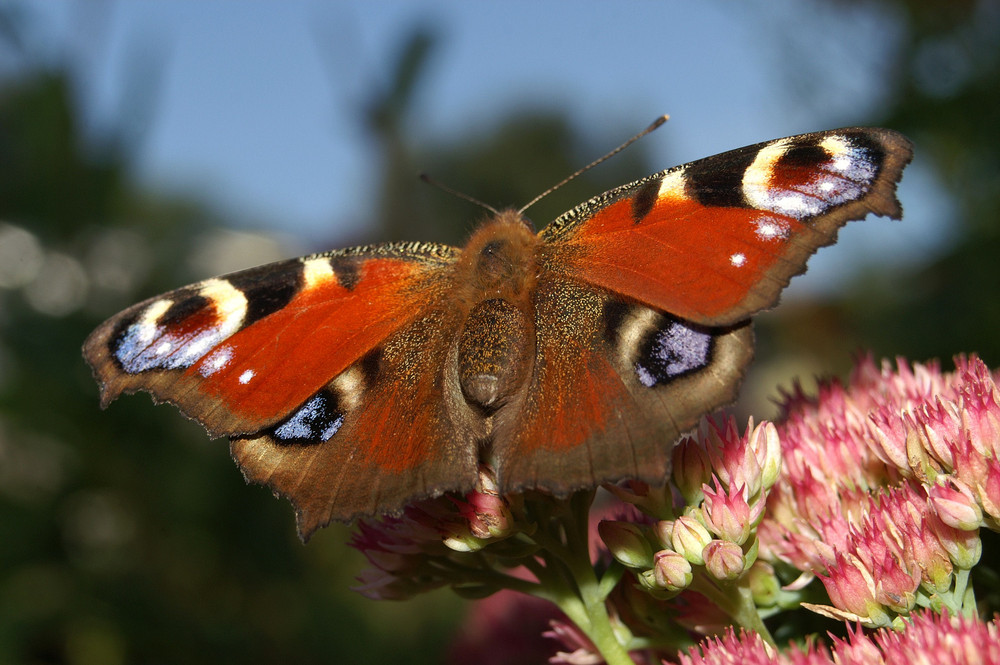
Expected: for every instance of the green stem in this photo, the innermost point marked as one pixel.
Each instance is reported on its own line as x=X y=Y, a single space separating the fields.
x=592 y=592
x=736 y=600
x=568 y=578
x=964 y=595
x=610 y=579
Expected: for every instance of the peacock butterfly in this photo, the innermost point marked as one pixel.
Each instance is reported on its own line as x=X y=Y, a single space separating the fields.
x=358 y=380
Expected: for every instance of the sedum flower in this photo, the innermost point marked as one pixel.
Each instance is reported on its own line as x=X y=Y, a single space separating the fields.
x=406 y=553
x=692 y=468
x=852 y=590
x=877 y=486
x=671 y=571
x=689 y=538
x=733 y=458
x=727 y=513
x=929 y=638
x=485 y=510
x=583 y=651
x=942 y=640
x=881 y=480
x=954 y=503
x=988 y=492
x=724 y=560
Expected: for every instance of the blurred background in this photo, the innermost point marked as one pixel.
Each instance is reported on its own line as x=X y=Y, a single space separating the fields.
x=147 y=145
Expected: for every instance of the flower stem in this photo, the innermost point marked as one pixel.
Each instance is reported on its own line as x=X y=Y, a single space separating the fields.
x=965 y=597
x=736 y=600
x=568 y=577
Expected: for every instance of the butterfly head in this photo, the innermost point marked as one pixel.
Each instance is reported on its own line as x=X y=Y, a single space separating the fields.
x=500 y=259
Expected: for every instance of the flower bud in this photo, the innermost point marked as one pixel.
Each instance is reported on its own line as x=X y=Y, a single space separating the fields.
x=724 y=560
x=462 y=540
x=691 y=469
x=851 y=587
x=689 y=538
x=964 y=548
x=888 y=437
x=664 y=530
x=486 y=511
x=627 y=544
x=727 y=514
x=955 y=504
x=989 y=490
x=671 y=571
x=767 y=448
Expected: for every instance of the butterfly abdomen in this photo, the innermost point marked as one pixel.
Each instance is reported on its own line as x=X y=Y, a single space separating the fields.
x=494 y=350
x=495 y=279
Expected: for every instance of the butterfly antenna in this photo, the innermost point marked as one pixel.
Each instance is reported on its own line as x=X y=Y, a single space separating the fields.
x=454 y=192
x=656 y=123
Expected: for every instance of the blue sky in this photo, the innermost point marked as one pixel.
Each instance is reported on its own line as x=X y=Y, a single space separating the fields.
x=257 y=102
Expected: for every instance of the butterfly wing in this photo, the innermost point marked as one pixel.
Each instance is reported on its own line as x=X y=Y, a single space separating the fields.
x=645 y=295
x=302 y=364
x=614 y=384
x=716 y=240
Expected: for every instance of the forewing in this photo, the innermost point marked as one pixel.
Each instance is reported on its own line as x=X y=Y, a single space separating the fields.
x=238 y=353
x=718 y=239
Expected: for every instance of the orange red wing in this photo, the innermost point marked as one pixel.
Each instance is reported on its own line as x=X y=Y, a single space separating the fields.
x=239 y=352
x=614 y=384
x=716 y=240
x=327 y=373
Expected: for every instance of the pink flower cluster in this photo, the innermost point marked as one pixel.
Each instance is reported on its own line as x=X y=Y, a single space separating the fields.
x=419 y=550
x=930 y=638
x=878 y=487
x=886 y=482
x=724 y=478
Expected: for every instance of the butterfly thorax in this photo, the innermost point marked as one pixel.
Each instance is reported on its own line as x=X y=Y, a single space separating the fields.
x=496 y=276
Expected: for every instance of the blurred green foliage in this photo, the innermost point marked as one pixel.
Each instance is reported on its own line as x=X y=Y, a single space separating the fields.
x=125 y=536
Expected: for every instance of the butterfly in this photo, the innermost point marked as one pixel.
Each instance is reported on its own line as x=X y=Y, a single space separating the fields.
x=358 y=380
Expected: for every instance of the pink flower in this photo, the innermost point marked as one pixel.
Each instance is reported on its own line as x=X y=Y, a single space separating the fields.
x=989 y=491
x=727 y=514
x=724 y=560
x=746 y=649
x=955 y=504
x=766 y=446
x=485 y=514
x=671 y=571
x=398 y=549
x=852 y=591
x=942 y=640
x=689 y=539
x=733 y=459
x=963 y=547
x=929 y=638
x=895 y=583
x=888 y=437
x=980 y=398
x=843 y=504
x=583 y=651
